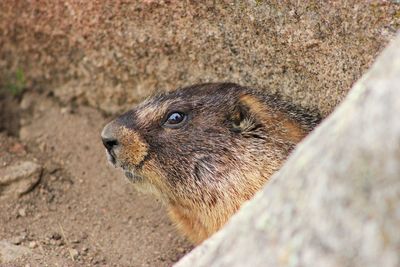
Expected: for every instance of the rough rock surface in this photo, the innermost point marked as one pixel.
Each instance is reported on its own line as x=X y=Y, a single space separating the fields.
x=336 y=202
x=111 y=54
x=10 y=252
x=19 y=178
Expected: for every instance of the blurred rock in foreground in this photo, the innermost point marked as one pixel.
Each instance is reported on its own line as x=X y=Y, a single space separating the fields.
x=336 y=202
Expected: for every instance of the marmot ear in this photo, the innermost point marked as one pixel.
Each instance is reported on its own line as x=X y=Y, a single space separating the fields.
x=243 y=118
x=252 y=113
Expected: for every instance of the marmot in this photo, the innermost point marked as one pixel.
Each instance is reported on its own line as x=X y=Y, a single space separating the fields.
x=205 y=149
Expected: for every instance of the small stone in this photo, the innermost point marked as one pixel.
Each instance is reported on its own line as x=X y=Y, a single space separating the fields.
x=10 y=252
x=42 y=146
x=74 y=253
x=27 y=102
x=181 y=249
x=19 y=178
x=32 y=244
x=24 y=133
x=66 y=110
x=75 y=241
x=22 y=212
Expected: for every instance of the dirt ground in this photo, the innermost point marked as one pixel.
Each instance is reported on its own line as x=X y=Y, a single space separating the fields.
x=82 y=212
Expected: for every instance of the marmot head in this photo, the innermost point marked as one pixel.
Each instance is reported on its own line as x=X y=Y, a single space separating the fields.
x=205 y=145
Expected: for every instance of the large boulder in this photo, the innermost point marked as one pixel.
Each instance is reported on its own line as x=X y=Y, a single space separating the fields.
x=111 y=54
x=336 y=202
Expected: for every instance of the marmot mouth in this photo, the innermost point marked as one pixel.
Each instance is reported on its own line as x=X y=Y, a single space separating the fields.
x=131 y=175
x=111 y=158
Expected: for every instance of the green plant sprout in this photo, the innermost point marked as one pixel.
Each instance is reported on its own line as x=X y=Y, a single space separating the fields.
x=17 y=85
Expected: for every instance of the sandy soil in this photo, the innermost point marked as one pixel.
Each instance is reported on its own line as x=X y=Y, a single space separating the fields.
x=83 y=212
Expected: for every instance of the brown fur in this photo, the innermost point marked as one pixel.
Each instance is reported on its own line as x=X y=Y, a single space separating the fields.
x=234 y=139
x=134 y=149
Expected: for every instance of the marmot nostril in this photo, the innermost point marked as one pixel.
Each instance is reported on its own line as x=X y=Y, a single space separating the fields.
x=109 y=143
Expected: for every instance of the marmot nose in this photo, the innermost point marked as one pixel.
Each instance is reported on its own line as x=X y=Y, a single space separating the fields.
x=109 y=136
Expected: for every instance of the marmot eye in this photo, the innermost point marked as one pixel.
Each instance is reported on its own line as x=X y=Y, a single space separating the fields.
x=175 y=119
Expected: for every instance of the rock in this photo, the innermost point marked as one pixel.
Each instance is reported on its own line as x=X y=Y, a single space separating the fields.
x=27 y=101
x=66 y=110
x=12 y=255
x=19 y=178
x=24 y=133
x=10 y=252
x=75 y=241
x=74 y=253
x=308 y=51
x=336 y=201
x=22 y=212
x=32 y=244
x=84 y=250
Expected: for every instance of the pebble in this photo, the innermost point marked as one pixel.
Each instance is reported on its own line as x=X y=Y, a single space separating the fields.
x=74 y=253
x=22 y=212
x=19 y=178
x=24 y=133
x=32 y=244
x=27 y=102
x=42 y=146
x=10 y=252
x=75 y=241
x=66 y=110
x=181 y=250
